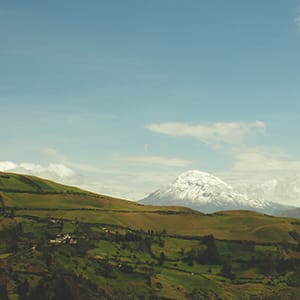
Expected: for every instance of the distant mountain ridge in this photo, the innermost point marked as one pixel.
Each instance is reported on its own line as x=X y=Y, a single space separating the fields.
x=291 y=213
x=207 y=193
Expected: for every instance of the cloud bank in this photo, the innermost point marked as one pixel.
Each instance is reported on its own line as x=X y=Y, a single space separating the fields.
x=254 y=160
x=265 y=174
x=213 y=134
x=57 y=172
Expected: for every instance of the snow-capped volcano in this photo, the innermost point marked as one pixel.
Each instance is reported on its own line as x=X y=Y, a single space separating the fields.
x=207 y=193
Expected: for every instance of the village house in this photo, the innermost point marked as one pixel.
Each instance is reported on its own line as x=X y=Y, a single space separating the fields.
x=63 y=239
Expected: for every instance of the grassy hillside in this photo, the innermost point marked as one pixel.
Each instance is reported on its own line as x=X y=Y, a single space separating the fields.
x=60 y=242
x=33 y=196
x=32 y=184
x=259 y=228
x=24 y=191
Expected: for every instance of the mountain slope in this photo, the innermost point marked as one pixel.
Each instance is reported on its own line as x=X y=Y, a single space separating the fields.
x=207 y=193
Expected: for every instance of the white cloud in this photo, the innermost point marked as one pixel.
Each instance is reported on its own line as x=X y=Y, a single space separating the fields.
x=130 y=177
x=53 y=153
x=131 y=185
x=7 y=165
x=56 y=156
x=284 y=189
x=31 y=167
x=58 y=172
x=297 y=19
x=265 y=174
x=156 y=160
x=254 y=160
x=214 y=134
x=254 y=166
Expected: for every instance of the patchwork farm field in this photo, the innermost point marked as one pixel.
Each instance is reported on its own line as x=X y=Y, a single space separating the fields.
x=60 y=242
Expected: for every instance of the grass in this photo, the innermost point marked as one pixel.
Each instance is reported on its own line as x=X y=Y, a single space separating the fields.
x=64 y=201
x=98 y=266
x=264 y=229
x=36 y=193
x=103 y=249
x=4 y=255
x=173 y=247
x=68 y=227
x=100 y=253
x=7 y=224
x=178 y=284
x=26 y=183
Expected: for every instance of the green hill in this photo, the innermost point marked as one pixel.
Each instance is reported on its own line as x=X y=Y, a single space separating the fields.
x=61 y=242
x=30 y=192
x=11 y=182
x=33 y=196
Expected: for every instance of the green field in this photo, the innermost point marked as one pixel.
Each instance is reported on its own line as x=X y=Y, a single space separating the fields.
x=59 y=242
x=227 y=226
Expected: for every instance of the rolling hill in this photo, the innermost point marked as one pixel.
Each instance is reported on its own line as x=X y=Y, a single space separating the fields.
x=61 y=242
x=34 y=196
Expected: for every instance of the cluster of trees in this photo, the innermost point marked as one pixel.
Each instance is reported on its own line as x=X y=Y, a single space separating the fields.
x=209 y=256
x=59 y=286
x=144 y=239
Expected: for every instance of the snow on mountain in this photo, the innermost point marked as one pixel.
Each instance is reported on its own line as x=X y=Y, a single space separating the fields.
x=207 y=193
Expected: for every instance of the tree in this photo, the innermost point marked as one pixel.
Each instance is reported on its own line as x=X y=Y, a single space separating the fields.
x=23 y=289
x=227 y=268
x=294 y=278
x=182 y=252
x=211 y=255
x=3 y=293
x=161 y=258
x=191 y=256
x=266 y=262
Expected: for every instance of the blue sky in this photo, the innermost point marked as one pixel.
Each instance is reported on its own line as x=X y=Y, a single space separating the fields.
x=121 y=96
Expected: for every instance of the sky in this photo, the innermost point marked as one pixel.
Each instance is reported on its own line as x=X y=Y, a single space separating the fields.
x=119 y=97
